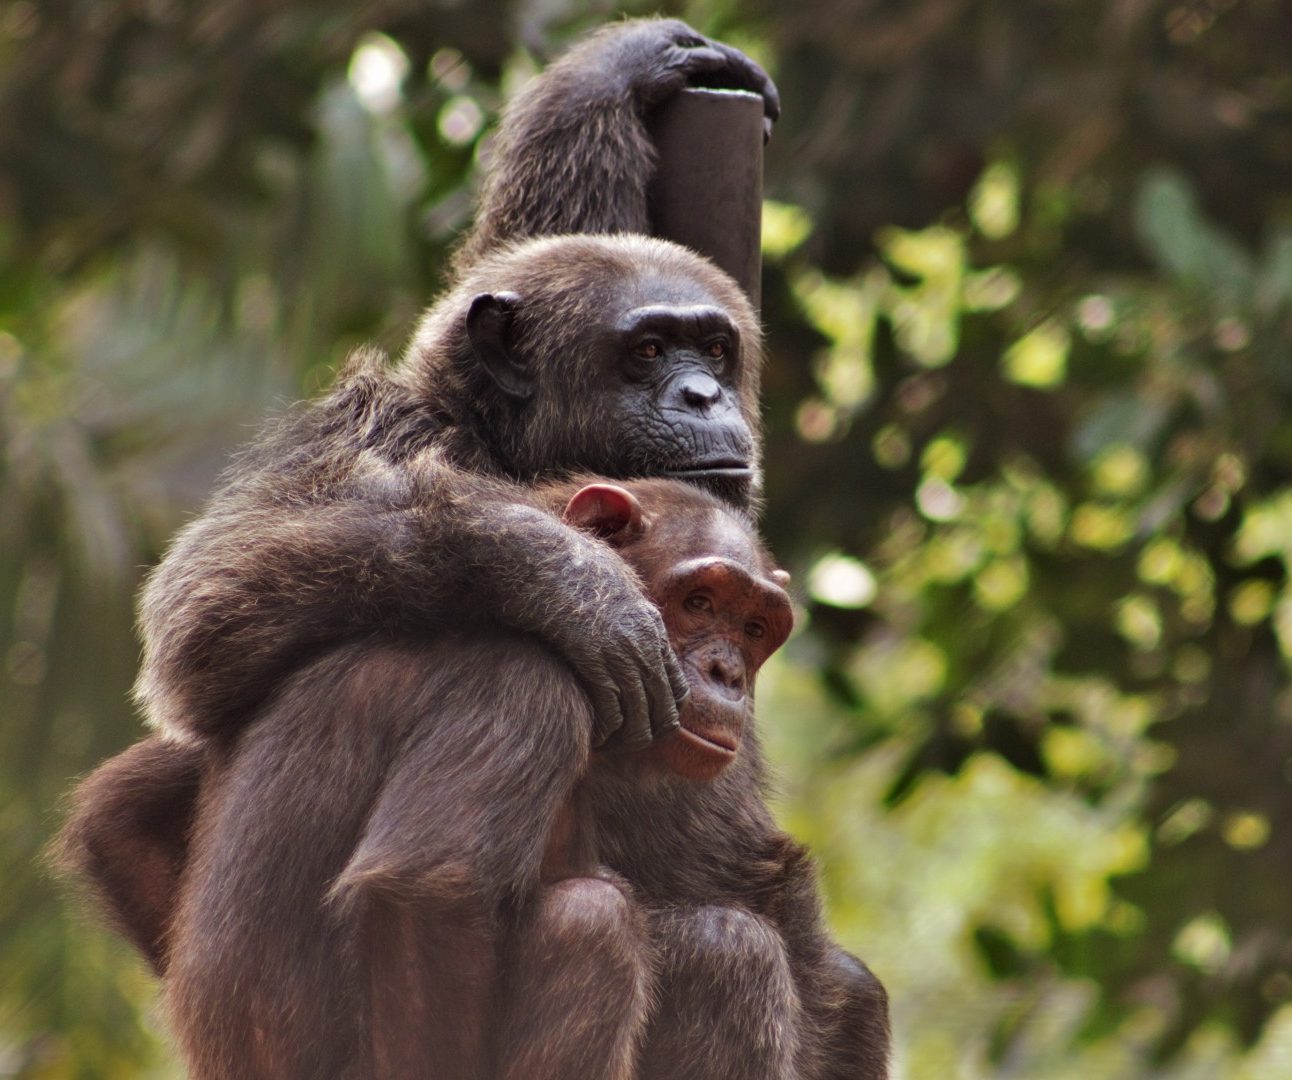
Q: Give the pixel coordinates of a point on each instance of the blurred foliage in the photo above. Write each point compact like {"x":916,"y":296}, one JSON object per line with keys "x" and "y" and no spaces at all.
{"x":1029,"y":301}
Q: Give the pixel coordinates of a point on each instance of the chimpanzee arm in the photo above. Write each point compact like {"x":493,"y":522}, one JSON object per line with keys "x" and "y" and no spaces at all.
{"x":256,"y":587}
{"x":127,"y":837}
{"x":573,"y":153}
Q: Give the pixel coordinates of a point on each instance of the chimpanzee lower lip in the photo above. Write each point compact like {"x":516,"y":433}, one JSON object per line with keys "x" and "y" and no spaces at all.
{"x":709,"y":742}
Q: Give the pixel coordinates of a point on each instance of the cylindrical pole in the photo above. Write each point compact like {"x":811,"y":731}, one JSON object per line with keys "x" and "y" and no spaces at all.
{"x":707,"y":192}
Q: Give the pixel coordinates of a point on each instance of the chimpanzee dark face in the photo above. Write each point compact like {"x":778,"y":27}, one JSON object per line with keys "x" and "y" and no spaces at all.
{"x":644,"y":382}
{"x":679,"y":367}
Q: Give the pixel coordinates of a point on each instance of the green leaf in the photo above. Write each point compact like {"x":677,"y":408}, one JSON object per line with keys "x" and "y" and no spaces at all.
{"x":1180,"y":239}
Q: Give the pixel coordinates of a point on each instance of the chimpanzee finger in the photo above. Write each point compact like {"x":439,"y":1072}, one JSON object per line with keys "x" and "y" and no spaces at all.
{"x":680,"y":688}
{"x":607,"y":716}
{"x":721,"y":67}
{"x":633,"y":699}
{"x":753,"y":78}
{"x":661,"y":687}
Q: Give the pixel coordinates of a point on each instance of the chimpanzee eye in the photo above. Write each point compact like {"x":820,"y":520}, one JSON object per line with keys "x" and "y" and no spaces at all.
{"x":755,"y":629}
{"x":649,"y":350}
{"x":698,"y":602}
{"x":717,"y":349}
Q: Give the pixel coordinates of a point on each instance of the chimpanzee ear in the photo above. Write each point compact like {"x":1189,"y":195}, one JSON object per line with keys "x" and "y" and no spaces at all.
{"x":605,"y":510}
{"x":489,"y":329}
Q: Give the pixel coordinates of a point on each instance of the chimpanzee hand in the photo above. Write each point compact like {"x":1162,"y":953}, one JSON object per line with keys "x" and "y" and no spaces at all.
{"x":585,"y":121}
{"x":659,"y":57}
{"x":542,"y":577}
{"x":615,"y":641}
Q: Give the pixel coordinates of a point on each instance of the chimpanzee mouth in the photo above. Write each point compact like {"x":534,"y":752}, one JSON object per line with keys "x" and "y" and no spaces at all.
{"x":710,"y":742}
{"x":717,"y":469}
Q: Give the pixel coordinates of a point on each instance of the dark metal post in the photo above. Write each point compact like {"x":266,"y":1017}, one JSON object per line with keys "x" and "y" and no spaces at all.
{"x":708,"y":188}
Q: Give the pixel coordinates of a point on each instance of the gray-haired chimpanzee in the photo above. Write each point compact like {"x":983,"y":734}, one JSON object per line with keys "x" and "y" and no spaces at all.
{"x":390,"y":506}
{"x":416,"y":864}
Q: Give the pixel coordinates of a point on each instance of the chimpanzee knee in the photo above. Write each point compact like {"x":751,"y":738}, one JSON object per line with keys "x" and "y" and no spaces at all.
{"x":727,"y":1006}
{"x":576,"y":995}
{"x":579,"y":912}
{"x":859,"y":981}
{"x":728,"y":942}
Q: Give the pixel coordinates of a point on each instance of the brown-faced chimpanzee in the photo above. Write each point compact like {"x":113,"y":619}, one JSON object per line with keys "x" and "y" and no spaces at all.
{"x":415,"y":864}
{"x":390,"y":505}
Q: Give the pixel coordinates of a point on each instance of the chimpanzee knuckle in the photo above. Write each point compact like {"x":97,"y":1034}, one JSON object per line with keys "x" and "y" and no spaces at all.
{"x":639,"y":630}
{"x":677,"y":32}
{"x":752,"y":76}
{"x":651,"y":50}
{"x":702,"y":61}
{"x":665,"y":76}
{"x":651,"y":637}
{"x":654,"y":622}
{"x":598,"y":671}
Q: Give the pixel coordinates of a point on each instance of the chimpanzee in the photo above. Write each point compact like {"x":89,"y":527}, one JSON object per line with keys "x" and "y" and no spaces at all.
{"x":391,"y":505}
{"x":416,"y":864}
{"x":349,"y":582}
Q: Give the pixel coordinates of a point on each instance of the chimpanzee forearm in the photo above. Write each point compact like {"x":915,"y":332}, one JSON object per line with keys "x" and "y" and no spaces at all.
{"x":269,"y":577}
{"x":584,"y":121}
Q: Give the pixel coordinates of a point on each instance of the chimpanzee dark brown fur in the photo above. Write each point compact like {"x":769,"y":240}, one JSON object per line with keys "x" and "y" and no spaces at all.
{"x":415,"y":863}
{"x":390,"y":504}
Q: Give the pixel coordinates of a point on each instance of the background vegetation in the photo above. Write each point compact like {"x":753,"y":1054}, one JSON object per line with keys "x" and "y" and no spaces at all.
{"x":1029,"y":300}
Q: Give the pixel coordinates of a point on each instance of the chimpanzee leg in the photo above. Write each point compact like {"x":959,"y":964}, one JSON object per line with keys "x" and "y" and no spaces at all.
{"x":727,"y":1008}
{"x":456,"y":835}
{"x":431,"y":980}
{"x":855,"y":1033}
{"x":341,"y":909}
{"x":845,"y":1032}
{"x":575,"y":993}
